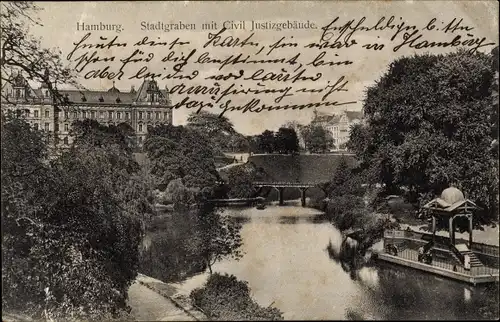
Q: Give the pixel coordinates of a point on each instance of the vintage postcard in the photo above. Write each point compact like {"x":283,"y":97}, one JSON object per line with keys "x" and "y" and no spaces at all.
{"x":249,"y":160}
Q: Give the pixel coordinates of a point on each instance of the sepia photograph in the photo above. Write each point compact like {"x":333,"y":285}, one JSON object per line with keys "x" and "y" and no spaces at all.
{"x":249,"y":160}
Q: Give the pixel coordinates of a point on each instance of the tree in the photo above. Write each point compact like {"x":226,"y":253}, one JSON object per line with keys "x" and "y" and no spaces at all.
{"x":286,"y":141}
{"x":428,"y":125}
{"x":317,"y":139}
{"x":266,"y":142}
{"x":210,"y":123}
{"x":23,"y":52}
{"x":218,"y":129}
{"x":220,"y":235}
{"x":92,"y":132}
{"x":71,"y":227}
{"x":239,"y":180}
{"x":494,"y":115}
{"x":178,"y":152}
{"x":238,"y":143}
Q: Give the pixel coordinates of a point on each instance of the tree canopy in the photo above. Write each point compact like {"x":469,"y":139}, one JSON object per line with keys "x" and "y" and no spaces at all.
{"x":286,"y":141}
{"x":317,"y":139}
{"x":70,"y":224}
{"x":178,"y":152}
{"x":219,"y":131}
{"x":428,"y":126}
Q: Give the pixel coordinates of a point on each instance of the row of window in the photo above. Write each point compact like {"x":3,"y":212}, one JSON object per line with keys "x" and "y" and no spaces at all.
{"x":110,"y":114}
{"x":66,"y":140}
{"x":19,"y":92}
{"x":46,"y":126}
{"x":36,"y":113}
{"x":92,"y":114}
{"x":140,"y":127}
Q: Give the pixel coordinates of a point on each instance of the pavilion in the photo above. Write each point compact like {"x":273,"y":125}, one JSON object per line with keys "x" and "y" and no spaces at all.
{"x":450,"y":205}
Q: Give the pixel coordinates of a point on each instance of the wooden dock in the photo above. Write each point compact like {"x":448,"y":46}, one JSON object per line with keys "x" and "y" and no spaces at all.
{"x":467,"y":278}
{"x":401,"y":248}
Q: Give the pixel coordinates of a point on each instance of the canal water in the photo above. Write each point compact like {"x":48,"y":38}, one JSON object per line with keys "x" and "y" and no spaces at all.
{"x":287,"y":266}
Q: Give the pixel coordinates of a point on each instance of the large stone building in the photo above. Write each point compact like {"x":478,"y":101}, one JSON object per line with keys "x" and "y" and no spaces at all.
{"x":147,"y":106}
{"x":338,"y":125}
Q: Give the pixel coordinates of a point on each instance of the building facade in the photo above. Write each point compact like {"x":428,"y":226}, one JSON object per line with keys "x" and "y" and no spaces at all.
{"x":147,"y":106}
{"x":338,"y":125}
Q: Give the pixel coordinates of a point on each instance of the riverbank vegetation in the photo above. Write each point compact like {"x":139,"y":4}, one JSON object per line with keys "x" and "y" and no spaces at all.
{"x":350,"y":206}
{"x":224,"y":297}
{"x":430,"y":122}
{"x":70,"y":223}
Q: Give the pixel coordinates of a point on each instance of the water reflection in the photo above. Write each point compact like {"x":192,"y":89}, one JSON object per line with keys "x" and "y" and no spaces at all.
{"x":286,"y":261}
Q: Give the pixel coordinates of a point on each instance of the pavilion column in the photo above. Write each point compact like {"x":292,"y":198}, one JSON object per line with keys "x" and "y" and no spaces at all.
{"x":303,"y":196}
{"x":470,"y":231}
{"x":281,"y":197}
{"x":433,"y":227}
{"x":452,"y":233}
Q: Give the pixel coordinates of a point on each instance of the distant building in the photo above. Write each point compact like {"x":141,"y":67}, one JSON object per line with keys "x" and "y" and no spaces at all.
{"x":338,"y":125}
{"x":147,"y":106}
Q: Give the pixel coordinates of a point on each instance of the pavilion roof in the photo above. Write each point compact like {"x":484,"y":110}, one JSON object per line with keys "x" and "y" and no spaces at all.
{"x":440,"y":206}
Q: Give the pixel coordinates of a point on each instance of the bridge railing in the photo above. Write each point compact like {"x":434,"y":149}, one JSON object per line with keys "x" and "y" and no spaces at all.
{"x":285,"y":184}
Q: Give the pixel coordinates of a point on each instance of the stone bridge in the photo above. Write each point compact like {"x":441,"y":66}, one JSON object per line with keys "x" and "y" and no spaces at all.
{"x":280,"y":187}
{"x":301,"y":171}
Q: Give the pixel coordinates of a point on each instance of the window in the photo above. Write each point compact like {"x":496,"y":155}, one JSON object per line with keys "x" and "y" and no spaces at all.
{"x":66,"y":127}
{"x":140,"y":127}
{"x":101,"y":115}
{"x":84,"y":114}
{"x":66,"y":114}
{"x":166,"y":116}
{"x":35,"y":113}
{"x":28,"y":112}
{"x":149,"y":115}
{"x":118,"y":115}
{"x":157,"y":115}
{"x":127,"y":115}
{"x":92,"y":114}
{"x":75,"y":114}
{"x":140,"y":115}
{"x":35,"y":126}
{"x":47,"y":126}
{"x":140,"y":139}
{"x":110,"y":114}
{"x":18,"y":93}
{"x":66,"y":140}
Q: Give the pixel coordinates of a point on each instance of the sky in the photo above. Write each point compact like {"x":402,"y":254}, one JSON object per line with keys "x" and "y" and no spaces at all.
{"x":59,"y":30}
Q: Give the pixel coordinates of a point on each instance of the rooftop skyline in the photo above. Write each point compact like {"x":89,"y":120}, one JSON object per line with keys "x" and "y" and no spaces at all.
{"x":61,"y":19}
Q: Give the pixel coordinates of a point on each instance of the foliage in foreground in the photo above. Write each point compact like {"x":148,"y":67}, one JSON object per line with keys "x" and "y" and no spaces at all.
{"x":225,"y":298}
{"x":70,"y":227}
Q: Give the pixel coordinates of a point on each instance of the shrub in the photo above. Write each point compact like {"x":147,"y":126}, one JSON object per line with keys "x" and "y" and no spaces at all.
{"x":345,"y":211}
{"x":226,"y":298}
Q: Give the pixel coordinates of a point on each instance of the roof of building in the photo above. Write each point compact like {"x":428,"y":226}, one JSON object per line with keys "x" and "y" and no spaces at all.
{"x":320,"y":117}
{"x":354,"y":115}
{"x":451,"y":201}
{"x":110,"y":96}
{"x":452,"y":195}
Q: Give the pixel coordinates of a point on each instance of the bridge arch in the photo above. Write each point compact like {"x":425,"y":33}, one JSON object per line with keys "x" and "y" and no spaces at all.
{"x":280,"y":187}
